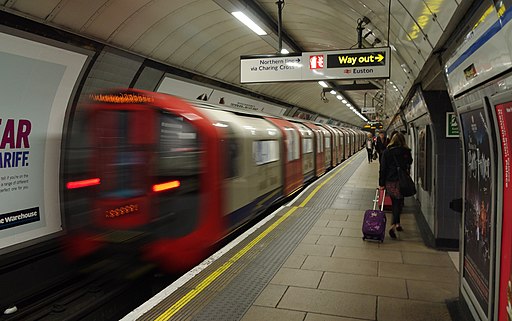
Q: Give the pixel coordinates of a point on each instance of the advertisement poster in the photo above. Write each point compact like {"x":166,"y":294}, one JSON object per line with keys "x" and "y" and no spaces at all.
{"x":477,"y":207}
{"x":217,"y":97}
{"x":504,"y":117}
{"x":36,"y":83}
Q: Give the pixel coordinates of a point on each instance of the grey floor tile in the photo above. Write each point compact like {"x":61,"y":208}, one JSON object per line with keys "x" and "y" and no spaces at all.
{"x":296,"y":277}
{"x":310,"y":238}
{"x":350,"y":266}
{"x":346,"y":241}
{"x":347,"y":212}
{"x":321,"y":223}
{"x":330,"y":230}
{"x":371,"y":254}
{"x":324,"y":317}
{"x":392,"y":309}
{"x":340,"y":205}
{"x":432,"y":291}
{"x":294,"y":261}
{"x":364,"y":284}
{"x":314,"y":249}
{"x":256,"y":313}
{"x":418,"y":272}
{"x":329,"y":302}
{"x":434,"y":259}
{"x":412,"y":246}
{"x":356,"y":218}
{"x":271,"y":295}
{"x":352,"y":232}
{"x":344,"y":224}
{"x":334,"y":217}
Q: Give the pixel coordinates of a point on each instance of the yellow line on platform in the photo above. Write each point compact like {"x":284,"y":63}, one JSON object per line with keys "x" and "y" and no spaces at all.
{"x":176,"y":307}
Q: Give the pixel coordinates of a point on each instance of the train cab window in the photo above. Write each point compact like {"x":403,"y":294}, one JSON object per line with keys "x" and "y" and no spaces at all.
{"x":179,"y":147}
{"x":265,"y":151}
{"x":292,"y":143}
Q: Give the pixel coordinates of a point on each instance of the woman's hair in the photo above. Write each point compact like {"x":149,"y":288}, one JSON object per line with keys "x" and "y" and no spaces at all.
{"x":398,"y":139}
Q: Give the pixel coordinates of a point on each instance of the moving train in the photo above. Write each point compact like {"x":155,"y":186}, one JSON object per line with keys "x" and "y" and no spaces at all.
{"x":172,"y":177}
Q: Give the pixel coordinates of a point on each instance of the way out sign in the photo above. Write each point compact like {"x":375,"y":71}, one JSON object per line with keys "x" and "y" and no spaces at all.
{"x":350,"y":64}
{"x":452,"y":127}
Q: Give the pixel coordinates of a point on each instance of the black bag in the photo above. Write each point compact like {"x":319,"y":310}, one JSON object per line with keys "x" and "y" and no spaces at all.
{"x":407,"y":186}
{"x":374,"y":156}
{"x":405,"y":182}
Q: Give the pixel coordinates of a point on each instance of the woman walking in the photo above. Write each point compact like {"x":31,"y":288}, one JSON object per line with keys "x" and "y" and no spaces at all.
{"x":369,"y":144}
{"x":397,"y":154}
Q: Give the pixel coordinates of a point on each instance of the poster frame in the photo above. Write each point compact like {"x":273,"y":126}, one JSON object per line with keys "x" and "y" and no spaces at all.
{"x":68,"y":112}
{"x":472,"y":302}
{"x":495,"y":100}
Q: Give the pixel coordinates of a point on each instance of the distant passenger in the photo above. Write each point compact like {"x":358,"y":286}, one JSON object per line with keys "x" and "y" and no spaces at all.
{"x":369,"y":144}
{"x":396,"y":155}
{"x":382,"y":142}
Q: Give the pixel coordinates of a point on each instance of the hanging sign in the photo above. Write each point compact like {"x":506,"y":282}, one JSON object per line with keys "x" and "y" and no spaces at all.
{"x":351,"y":64}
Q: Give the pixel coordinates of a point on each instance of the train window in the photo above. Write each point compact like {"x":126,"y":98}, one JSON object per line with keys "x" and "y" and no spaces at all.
{"x":292,"y":143}
{"x":230,"y":148}
{"x":307,"y":145}
{"x":265,"y":151}
{"x":179,"y":147}
{"x":327,"y":142}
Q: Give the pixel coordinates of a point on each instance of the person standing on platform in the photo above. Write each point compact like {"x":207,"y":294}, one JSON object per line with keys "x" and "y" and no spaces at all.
{"x":369,"y":144}
{"x":397,"y":154}
{"x":382,"y":142}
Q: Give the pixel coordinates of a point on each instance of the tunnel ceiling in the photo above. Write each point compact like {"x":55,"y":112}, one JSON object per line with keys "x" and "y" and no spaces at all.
{"x":203,"y":37}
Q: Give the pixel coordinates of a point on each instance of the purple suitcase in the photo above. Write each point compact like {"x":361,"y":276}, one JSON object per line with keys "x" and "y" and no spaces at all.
{"x":374,"y":221}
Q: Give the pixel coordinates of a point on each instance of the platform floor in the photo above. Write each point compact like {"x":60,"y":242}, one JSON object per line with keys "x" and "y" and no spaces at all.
{"x":314,"y":266}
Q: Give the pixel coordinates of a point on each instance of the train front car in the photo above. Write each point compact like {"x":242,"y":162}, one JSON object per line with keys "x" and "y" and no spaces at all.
{"x":154,"y":164}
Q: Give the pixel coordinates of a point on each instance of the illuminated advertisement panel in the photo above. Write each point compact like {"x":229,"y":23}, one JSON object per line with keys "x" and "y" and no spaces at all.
{"x":478,"y":205}
{"x":504,"y":119}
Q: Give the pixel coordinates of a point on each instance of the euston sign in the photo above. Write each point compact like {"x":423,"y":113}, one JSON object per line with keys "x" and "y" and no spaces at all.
{"x":366,"y":63}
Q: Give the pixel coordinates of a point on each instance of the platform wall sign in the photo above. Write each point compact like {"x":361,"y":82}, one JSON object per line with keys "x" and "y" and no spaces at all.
{"x":368,"y":110}
{"x":36,"y":84}
{"x":351,"y":64}
{"x":452,"y":128}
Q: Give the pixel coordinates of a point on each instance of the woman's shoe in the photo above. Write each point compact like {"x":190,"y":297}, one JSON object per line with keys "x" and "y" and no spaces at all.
{"x":392,"y":233}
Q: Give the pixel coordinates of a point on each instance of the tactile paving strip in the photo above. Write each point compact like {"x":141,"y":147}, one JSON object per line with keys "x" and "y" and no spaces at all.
{"x":233,"y":292}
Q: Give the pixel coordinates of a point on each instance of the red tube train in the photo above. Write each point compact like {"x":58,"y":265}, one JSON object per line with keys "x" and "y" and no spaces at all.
{"x":182,"y":175}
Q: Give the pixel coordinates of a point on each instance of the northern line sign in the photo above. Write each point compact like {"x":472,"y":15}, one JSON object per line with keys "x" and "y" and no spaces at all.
{"x":351,"y":64}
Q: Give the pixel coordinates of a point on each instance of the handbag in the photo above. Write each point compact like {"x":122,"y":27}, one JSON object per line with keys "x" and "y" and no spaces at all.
{"x":405,"y":182}
{"x":374,"y":156}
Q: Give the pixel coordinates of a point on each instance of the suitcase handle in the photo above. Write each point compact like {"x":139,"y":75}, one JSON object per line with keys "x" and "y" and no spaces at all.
{"x":376,"y":199}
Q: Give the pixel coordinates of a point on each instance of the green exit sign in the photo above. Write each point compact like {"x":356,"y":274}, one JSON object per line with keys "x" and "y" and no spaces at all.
{"x":452,"y":127}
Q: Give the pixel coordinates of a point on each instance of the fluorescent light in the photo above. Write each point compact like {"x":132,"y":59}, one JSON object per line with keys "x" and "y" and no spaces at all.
{"x":339,"y":97}
{"x":333,"y":92}
{"x":349,"y":105}
{"x":344,"y":101}
{"x":249,"y":23}
{"x":323,"y":84}
{"x":284,"y":51}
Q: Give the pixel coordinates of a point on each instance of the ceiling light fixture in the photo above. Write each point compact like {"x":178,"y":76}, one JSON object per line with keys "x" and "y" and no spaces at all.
{"x":249,"y":23}
{"x":284,"y":51}
{"x":323,"y":84}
